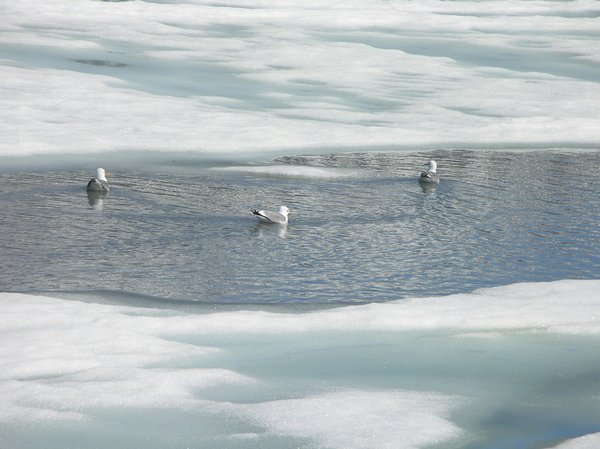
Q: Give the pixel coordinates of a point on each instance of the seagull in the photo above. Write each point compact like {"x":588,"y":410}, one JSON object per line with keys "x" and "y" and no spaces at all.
{"x":429,"y":175}
{"x":99,"y":183}
{"x":280,"y":217}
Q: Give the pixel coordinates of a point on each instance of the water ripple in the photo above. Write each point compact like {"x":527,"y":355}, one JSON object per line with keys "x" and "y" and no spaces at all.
{"x":374,"y":235}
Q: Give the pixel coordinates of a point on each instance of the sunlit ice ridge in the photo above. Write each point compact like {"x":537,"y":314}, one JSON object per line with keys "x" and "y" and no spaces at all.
{"x":247,"y":77}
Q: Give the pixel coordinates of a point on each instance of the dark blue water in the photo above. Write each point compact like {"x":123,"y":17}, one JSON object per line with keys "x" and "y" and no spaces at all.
{"x":361,"y":230}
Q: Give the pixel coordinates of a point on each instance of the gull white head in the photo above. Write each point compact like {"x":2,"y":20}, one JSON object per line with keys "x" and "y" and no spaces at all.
{"x":101,"y":175}
{"x":431,"y":166}
{"x":283,"y":210}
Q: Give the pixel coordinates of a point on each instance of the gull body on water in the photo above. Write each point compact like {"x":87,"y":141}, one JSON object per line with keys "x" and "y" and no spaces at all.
{"x":266,"y":216}
{"x":99,"y":183}
{"x":430,"y":174}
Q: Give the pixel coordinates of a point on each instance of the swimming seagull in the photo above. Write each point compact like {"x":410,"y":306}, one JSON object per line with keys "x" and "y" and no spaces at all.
{"x":429,"y":175}
{"x":280,"y":217}
{"x":99,"y":183}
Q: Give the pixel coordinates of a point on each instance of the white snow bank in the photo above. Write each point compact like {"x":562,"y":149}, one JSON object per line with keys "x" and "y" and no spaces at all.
{"x":63,"y":358}
{"x":558,"y":307}
{"x":60,"y":358}
{"x":242,"y":78}
{"x":591,"y":441}
{"x":358,"y":419}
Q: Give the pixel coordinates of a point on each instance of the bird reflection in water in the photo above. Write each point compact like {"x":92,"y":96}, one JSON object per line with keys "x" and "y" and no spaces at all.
{"x":96,"y":199}
{"x":428,"y":188}
{"x":265,"y":230}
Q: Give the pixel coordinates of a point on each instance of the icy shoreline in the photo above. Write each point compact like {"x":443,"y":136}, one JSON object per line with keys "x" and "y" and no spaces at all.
{"x":229,"y":79}
{"x":74,"y":362}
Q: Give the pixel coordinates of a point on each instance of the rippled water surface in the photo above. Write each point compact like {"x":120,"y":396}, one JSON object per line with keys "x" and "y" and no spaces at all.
{"x":362,"y":227}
